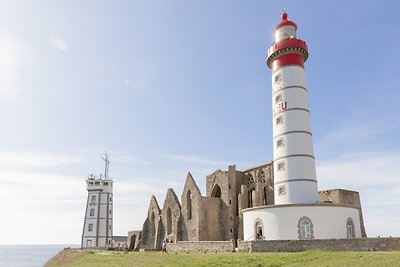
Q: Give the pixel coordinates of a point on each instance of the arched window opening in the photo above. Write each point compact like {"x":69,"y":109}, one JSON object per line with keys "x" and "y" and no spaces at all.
{"x":265,"y":195}
{"x":250,"y":198}
{"x":169,"y":221}
{"x":350,"y":228}
{"x":189,"y":205}
{"x":153,"y":224}
{"x":251,"y":179}
{"x":216,"y":192}
{"x":305,"y":228}
{"x":259,"y":235}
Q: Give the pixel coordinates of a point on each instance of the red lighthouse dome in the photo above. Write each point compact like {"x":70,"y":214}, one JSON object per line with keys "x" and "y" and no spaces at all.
{"x":287,"y":48}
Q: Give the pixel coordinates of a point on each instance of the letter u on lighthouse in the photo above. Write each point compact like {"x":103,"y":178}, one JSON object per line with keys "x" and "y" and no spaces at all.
{"x":295,"y":179}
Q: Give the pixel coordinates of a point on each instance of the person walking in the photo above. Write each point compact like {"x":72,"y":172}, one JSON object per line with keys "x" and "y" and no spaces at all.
{"x":164,"y":246}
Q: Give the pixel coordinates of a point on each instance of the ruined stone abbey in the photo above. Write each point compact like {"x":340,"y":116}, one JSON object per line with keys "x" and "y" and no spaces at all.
{"x":218,"y":215}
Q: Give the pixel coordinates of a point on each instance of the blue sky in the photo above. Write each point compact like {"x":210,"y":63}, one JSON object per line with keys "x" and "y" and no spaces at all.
{"x":174,"y":86}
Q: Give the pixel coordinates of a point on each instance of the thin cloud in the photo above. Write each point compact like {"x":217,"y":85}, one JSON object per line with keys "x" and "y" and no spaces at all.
{"x":356,"y":132}
{"x":129,"y":159}
{"x":197,"y":159}
{"x":58,"y":43}
{"x":36,"y":160}
{"x":361,"y":169}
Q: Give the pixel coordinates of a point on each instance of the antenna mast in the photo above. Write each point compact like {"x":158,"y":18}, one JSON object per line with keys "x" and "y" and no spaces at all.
{"x":107,"y":164}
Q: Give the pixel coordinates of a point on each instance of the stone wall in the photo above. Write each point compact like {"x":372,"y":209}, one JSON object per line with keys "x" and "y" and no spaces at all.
{"x":170,"y":216}
{"x":133,"y":239}
{"x":212,"y":246}
{"x":353,"y":244}
{"x":211,"y":221}
{"x":191,"y":208}
{"x":151,"y":227}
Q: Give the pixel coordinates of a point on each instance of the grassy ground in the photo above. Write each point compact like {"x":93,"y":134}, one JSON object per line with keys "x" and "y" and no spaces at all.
{"x":307,"y":258}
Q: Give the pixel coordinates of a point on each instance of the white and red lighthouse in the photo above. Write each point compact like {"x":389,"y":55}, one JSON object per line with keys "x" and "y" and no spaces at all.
{"x":297,"y":213}
{"x":294,"y":165}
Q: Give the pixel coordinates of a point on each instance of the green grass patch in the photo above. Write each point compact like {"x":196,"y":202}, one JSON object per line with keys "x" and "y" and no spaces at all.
{"x":242,"y":259}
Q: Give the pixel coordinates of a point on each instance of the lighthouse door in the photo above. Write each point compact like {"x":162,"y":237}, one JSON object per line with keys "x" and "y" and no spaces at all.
{"x":259,"y":231}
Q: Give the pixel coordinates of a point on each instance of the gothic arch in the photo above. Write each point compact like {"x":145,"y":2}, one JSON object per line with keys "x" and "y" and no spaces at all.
{"x":152,"y":224}
{"x":258,"y":229}
{"x":169,"y":221}
{"x":216,"y":192}
{"x":189,"y":205}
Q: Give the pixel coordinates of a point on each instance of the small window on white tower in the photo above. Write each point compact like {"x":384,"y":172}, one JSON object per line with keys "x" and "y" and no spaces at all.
{"x":281,"y":166}
{"x":91,"y":212}
{"x":282,"y":190}
{"x":279,"y":120}
{"x":280,"y":142}
{"x":278,"y":78}
{"x":90,"y":227}
{"x":93,"y":199}
{"x":278,"y":98}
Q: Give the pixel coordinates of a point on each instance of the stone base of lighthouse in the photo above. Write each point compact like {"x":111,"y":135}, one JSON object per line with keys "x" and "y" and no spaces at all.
{"x":301,"y":221}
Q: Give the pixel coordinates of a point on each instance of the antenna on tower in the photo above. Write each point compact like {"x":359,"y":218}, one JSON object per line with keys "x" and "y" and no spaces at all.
{"x":107,"y":164}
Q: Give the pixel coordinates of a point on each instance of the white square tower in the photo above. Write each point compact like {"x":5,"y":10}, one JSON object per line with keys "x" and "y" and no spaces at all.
{"x":98,"y":224}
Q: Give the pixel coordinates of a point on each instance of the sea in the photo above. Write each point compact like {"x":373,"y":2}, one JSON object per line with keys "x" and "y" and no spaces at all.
{"x":29,"y":255}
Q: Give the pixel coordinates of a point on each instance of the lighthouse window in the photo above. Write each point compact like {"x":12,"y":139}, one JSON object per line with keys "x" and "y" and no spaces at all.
{"x":305,"y":228}
{"x":282,"y":190}
{"x":278,"y":78}
{"x":278,"y":98}
{"x":91,"y":212}
{"x":280,"y":143}
{"x":90,"y":227}
{"x":281,"y":166}
{"x":279,"y":120}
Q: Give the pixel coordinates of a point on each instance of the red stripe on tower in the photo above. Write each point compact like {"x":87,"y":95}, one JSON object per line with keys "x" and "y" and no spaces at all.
{"x":287,"y":49}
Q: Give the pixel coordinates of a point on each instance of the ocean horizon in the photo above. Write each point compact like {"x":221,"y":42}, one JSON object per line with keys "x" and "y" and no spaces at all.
{"x":29,"y":255}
